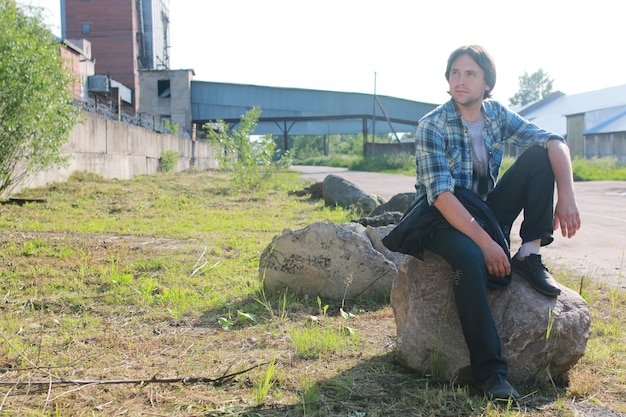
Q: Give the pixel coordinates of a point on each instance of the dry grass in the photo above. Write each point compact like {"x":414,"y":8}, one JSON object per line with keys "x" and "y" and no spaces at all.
{"x":119,"y":281}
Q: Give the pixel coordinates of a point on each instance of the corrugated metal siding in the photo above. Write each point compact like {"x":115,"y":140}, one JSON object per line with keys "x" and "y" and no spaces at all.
{"x":606,"y":145}
{"x":607,"y":120}
{"x":212,"y":101}
{"x":575,"y":129}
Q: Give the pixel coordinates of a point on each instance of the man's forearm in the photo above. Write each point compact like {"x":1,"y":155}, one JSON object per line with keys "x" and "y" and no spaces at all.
{"x":461,"y":219}
{"x":561,"y":162}
{"x":566,"y":215}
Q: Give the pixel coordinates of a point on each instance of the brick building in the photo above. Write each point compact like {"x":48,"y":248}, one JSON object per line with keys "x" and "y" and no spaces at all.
{"x":126,"y":36}
{"x":76,"y":53}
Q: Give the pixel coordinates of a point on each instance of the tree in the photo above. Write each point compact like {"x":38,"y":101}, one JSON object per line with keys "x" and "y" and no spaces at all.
{"x":36,"y":111}
{"x":250,"y":160}
{"x":532,"y":87}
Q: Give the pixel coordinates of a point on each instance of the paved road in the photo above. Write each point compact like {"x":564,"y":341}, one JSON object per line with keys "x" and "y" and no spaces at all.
{"x":597,"y":252}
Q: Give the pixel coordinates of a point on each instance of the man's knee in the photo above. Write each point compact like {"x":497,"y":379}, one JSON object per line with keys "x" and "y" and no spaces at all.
{"x":535,"y":160}
{"x":536,"y":154}
{"x":470,"y":265}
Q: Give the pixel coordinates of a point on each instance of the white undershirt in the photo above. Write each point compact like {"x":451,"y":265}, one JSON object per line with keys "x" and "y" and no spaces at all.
{"x":482,"y":183}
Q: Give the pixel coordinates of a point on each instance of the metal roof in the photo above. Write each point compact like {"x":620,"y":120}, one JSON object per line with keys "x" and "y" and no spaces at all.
{"x":100,"y":83}
{"x":302,"y":111}
{"x":606,"y":121}
{"x":551,"y":113}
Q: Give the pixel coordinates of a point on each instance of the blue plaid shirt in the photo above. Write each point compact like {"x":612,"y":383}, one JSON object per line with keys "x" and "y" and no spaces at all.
{"x":443,"y":148}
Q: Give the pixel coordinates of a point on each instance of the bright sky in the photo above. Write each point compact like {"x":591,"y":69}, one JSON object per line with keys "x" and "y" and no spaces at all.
{"x":398,"y":46}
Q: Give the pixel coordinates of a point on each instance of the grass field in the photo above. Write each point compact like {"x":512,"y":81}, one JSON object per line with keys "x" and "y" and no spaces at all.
{"x":144,"y":298}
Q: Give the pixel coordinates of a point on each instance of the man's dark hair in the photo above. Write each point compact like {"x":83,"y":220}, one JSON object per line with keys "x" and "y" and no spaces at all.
{"x":482,"y":58}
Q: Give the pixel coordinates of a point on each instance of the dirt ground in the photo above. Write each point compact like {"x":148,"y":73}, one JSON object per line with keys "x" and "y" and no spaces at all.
{"x":597,"y":252}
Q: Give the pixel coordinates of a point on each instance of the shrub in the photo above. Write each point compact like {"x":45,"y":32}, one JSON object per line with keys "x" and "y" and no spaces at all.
{"x":169,"y":160}
{"x":249,"y":159}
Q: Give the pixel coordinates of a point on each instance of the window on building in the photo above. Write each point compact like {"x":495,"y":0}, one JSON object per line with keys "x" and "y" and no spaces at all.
{"x":85,"y":27}
{"x":163,"y":88}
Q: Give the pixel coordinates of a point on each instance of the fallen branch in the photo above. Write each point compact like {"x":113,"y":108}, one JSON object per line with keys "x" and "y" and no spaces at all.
{"x":188,"y":380}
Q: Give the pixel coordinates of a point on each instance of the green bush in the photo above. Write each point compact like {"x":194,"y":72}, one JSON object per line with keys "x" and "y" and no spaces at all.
{"x":598,"y":169}
{"x":169,"y":160}
{"x":395,"y":163}
{"x":250,"y":160}
{"x":595,"y":169}
{"x":342,"y":161}
{"x":36,"y":111}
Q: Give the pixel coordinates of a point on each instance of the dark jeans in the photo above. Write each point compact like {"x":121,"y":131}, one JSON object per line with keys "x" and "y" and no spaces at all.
{"x":527,"y":185}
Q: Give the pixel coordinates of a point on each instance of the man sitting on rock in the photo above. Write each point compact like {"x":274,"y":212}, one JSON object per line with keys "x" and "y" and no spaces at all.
{"x":464,"y":214}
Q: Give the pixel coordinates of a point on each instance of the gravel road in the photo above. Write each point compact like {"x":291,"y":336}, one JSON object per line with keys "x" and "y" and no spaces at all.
{"x":597,"y":252}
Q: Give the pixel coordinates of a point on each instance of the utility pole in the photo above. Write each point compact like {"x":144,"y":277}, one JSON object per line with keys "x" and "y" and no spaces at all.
{"x":374,"y":111}
{"x":373,"y":121}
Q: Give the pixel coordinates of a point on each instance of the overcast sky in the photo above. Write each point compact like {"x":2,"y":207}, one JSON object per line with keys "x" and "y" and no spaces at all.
{"x":399,"y":47}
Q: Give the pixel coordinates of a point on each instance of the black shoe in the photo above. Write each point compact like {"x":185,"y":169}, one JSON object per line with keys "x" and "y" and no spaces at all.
{"x":533,"y":270}
{"x":497,"y":387}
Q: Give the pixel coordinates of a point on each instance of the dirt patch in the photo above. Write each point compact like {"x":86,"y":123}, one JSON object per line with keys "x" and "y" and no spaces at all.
{"x":97,"y":242}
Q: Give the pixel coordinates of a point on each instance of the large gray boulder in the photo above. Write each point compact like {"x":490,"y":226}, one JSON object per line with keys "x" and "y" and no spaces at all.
{"x":399,"y":202}
{"x":333,"y":261}
{"x":341,"y":192}
{"x":542,"y":337}
{"x":384,"y":219}
{"x":376,"y":235}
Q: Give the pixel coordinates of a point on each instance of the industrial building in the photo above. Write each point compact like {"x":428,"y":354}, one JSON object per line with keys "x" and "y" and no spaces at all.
{"x":126,"y":36}
{"x":128,"y":42}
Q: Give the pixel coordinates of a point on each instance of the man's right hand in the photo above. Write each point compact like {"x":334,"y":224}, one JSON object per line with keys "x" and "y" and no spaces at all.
{"x":496,"y":260}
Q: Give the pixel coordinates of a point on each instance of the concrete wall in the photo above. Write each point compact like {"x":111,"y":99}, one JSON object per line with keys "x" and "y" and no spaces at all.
{"x":119,"y":150}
